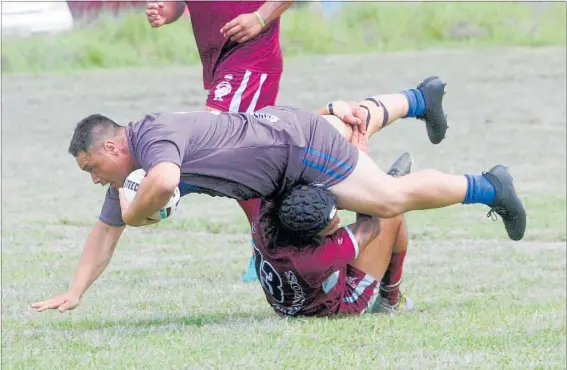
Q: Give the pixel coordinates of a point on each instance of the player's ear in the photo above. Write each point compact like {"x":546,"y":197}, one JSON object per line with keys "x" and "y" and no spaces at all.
{"x":110,"y":147}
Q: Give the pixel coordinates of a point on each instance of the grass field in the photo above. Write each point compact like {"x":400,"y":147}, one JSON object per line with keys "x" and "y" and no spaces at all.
{"x":172,"y":296}
{"x":359,"y":27}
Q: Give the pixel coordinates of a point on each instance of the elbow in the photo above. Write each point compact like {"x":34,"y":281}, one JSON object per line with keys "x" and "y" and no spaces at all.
{"x":166,"y":185}
{"x":165,"y":177}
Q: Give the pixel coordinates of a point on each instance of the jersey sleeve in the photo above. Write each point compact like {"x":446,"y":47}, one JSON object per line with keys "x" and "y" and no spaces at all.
{"x":111,"y":213}
{"x":336,"y":252}
{"x":160,"y":144}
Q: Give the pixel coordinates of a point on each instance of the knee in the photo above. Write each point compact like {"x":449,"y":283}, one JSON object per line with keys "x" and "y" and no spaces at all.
{"x":392,"y":205}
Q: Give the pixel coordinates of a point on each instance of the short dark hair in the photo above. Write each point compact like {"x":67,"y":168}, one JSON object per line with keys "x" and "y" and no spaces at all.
{"x":297,"y":218}
{"x":89,"y":130}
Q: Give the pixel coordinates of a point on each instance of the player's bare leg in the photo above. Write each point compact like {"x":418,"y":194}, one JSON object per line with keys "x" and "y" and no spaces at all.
{"x":425,"y":103}
{"x":384,"y":256}
{"x":375,"y":257}
{"x":390,"y":299}
{"x":369,"y":190}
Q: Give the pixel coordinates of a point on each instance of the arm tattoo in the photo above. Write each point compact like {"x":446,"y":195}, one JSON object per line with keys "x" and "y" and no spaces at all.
{"x":365,"y":229}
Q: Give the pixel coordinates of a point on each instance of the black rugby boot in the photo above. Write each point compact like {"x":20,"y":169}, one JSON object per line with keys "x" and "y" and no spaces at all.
{"x":435,"y":118}
{"x":506,"y":202}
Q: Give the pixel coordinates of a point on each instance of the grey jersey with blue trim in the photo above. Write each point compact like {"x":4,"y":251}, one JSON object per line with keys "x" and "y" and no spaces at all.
{"x":241,"y":156}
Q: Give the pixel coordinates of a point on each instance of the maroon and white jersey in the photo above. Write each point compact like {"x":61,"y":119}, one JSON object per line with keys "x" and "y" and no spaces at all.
{"x":314,"y":282}
{"x":260,"y":54}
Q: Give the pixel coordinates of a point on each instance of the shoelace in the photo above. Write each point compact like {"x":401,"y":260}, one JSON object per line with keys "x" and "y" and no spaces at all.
{"x":492,"y":214}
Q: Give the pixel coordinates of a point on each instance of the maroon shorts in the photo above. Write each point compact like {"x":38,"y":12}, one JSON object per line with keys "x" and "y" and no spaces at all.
{"x":242,"y":90}
{"x":360,"y":292}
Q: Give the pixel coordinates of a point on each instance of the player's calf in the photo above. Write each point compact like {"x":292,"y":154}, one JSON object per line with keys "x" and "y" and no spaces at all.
{"x":369,"y":190}
{"x":424,"y":103}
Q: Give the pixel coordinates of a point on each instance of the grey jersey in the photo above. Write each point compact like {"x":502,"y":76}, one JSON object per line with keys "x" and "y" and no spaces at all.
{"x":237,"y":155}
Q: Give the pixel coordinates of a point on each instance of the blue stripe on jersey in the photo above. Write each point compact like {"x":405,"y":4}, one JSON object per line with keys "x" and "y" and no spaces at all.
{"x":329,"y":157}
{"x":324,"y":169}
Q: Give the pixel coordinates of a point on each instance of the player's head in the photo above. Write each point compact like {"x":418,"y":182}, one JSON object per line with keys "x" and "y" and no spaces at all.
{"x":301,"y":218}
{"x":100,"y":147}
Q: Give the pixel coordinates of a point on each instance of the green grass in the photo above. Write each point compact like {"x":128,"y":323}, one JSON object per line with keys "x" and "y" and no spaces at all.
{"x":360,"y":27}
{"x":172,"y":296}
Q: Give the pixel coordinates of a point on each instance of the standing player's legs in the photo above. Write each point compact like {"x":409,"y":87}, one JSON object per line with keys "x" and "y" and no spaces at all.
{"x":242,"y":90}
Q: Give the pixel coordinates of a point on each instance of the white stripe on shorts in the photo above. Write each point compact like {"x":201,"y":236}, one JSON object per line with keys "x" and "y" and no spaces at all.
{"x":363,"y":284}
{"x":237,"y":98}
{"x":252,"y":106}
{"x":331,"y":282}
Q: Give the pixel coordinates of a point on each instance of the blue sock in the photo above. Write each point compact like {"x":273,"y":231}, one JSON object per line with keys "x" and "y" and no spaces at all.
{"x":416,"y":102}
{"x":479,"y":190}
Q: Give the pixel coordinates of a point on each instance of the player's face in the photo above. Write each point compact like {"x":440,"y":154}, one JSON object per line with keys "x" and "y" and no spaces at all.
{"x":332,"y":227}
{"x":106,"y":165}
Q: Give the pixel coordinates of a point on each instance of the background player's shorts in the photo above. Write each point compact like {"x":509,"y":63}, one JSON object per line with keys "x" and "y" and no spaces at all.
{"x":360,"y":292}
{"x":242,"y":90}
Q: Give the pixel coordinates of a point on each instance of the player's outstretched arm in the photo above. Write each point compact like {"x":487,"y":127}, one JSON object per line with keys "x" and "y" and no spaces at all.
{"x":164,"y":12}
{"x":96,"y":255}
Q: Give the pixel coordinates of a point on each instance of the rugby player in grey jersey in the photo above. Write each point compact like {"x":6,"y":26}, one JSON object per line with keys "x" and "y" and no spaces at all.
{"x":261,"y":155}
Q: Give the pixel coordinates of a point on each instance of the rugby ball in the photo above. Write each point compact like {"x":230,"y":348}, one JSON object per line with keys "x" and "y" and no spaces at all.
{"x":133,"y":182}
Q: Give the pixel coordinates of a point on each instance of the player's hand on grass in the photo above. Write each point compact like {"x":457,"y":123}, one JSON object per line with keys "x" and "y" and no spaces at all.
{"x":242,"y":28}
{"x":124,"y":205}
{"x":61,"y":302}
{"x":155,"y":14}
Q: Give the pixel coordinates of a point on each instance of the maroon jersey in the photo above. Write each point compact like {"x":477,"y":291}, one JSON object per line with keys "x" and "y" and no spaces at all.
{"x":261,"y":54}
{"x":314,"y":282}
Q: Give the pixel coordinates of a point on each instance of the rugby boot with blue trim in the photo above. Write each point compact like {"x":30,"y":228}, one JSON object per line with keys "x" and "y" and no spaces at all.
{"x":506,"y":202}
{"x":435,"y":118}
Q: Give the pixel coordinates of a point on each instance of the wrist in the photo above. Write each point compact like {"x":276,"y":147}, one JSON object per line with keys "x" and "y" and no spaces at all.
{"x":260,"y":19}
{"x":76,"y":292}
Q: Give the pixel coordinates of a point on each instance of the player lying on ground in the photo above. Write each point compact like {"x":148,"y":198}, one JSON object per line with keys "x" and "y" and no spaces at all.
{"x":289,"y":146}
{"x":309,"y":266}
